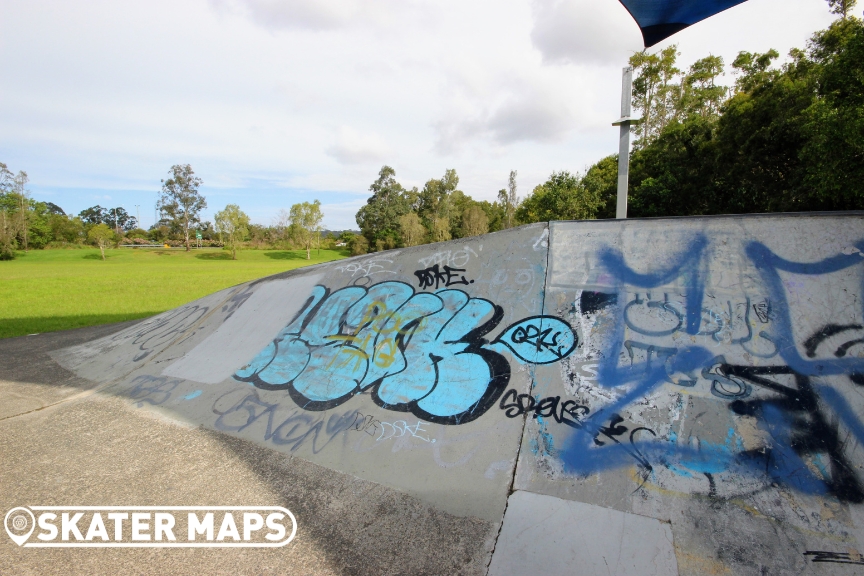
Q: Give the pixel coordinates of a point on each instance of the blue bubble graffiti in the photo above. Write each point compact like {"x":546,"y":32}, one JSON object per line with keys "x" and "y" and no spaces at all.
{"x":425,"y":353}
{"x":796,"y":408}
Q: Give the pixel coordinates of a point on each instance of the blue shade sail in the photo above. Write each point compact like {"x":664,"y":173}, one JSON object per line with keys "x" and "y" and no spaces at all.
{"x":659,"y":19}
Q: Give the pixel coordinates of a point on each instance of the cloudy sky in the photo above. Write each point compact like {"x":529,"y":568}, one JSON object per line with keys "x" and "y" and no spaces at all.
{"x":275,"y":102}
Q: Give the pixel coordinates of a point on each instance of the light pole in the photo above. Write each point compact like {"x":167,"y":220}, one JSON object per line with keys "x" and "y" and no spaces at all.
{"x":625,"y":121}
{"x":138,"y":215}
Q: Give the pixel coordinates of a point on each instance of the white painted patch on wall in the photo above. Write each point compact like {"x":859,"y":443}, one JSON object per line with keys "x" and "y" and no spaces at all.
{"x":249,"y":329}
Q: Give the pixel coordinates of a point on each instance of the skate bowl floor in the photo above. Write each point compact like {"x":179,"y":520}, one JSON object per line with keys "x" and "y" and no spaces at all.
{"x":659,"y":396}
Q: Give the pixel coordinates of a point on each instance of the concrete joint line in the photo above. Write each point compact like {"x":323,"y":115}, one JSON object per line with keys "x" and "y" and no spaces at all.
{"x":525,"y":416}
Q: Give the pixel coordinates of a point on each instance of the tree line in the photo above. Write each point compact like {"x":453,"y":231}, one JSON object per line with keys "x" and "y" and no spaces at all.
{"x":397,"y":216}
{"x":29,"y":224}
{"x":782,"y":139}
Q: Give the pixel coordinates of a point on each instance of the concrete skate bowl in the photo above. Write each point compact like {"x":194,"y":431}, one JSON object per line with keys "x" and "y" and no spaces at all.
{"x":662,"y":396}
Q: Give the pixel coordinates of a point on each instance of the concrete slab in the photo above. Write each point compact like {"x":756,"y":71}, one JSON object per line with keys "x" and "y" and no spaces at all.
{"x":714,"y":386}
{"x":100,"y":451}
{"x":388,"y":367}
{"x":554,"y":536}
{"x":699,"y":374}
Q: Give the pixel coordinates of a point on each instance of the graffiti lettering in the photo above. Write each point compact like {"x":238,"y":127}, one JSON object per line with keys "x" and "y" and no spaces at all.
{"x":154,"y":390}
{"x":293,"y":432}
{"x":835,"y":557}
{"x":400,"y":428}
{"x":150,"y":335}
{"x":456,"y":259}
{"x":415,"y":352}
{"x":806,"y":418}
{"x":515,"y":405}
{"x":446,"y":277}
{"x":366,"y":268}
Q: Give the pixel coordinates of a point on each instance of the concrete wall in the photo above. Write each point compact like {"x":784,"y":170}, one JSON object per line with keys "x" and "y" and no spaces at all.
{"x":699,"y":379}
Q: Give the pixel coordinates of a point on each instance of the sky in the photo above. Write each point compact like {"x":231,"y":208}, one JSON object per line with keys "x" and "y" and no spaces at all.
{"x":278,"y":102}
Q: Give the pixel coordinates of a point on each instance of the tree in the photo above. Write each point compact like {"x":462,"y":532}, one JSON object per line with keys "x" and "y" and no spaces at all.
{"x":753,"y":69}
{"x":412,"y":229}
{"x":379,"y":218}
{"x":495,"y":214}
{"x":282,"y":227}
{"x":700,"y":93}
{"x":20,"y":188}
{"x":180,"y":200}
{"x":305,"y":221}
{"x":440,"y":230}
{"x":54,"y":209}
{"x":509,"y":201}
{"x":119,"y":219}
{"x":101,"y":234}
{"x":474,"y":222}
{"x":441,"y":199}
{"x":655,"y":93}
{"x":358,"y":245}
{"x":561,"y":197}
{"x":233,"y":224}
{"x":93,"y":215}
{"x":8,"y":219}
{"x":601,"y":182}
{"x":842,"y":7}
{"x":832,"y":155}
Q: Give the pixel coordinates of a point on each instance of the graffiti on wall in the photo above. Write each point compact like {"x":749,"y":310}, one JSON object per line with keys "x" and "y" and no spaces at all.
{"x":419,"y":352}
{"x":665,"y":342}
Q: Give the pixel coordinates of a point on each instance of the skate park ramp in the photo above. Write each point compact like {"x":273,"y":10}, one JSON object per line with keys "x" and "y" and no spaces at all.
{"x":661,"y":396}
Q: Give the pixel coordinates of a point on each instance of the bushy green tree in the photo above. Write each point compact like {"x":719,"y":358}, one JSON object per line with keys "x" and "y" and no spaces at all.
{"x":306,"y":219}
{"x":655,"y":91}
{"x":439,"y":202}
{"x":474,"y":222}
{"x":358,"y":245}
{"x":601,"y":181}
{"x":561,"y":197}
{"x":787,"y":139}
{"x":412,"y":229}
{"x":379,"y":218}
{"x":233,"y":225}
{"x":101,"y":235}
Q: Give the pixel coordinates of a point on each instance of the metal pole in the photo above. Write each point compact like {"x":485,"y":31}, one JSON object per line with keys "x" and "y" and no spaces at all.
{"x":624,"y":141}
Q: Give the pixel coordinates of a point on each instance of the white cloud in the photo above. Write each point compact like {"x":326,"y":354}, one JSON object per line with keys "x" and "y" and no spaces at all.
{"x":584,"y":31}
{"x":315,"y":15}
{"x":281,"y":14}
{"x":535,"y":117}
{"x":279,"y":102}
{"x":353,"y":147}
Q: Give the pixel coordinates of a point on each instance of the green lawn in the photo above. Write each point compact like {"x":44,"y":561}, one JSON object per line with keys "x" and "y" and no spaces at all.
{"x":47,"y":290}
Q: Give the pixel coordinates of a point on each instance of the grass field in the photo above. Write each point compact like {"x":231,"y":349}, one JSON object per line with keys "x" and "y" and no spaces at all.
{"x":47,"y":290}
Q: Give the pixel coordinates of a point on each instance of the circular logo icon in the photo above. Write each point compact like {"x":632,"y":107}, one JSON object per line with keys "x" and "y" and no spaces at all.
{"x":19,"y":523}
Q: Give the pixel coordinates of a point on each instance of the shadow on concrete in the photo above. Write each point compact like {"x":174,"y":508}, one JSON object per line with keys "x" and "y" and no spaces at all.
{"x":364,"y":527}
{"x":359,"y":527}
{"x":26,"y":358}
{"x":40,"y":325}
